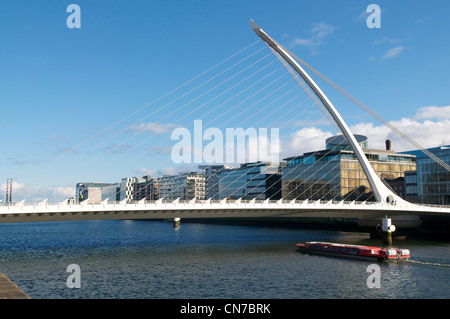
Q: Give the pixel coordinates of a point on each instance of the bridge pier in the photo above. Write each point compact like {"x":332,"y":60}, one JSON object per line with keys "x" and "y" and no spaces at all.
{"x":387,"y":238}
{"x":386,"y":229}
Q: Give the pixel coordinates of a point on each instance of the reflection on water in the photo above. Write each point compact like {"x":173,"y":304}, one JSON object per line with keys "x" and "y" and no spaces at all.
{"x":151,"y":259}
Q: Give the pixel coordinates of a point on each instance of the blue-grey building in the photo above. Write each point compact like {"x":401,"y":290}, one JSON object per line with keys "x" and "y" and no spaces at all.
{"x":259,"y":180}
{"x":212,"y":179}
{"x":433,"y":180}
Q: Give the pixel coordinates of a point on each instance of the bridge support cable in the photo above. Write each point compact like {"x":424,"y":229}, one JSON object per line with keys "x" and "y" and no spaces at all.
{"x":305,"y":120}
{"x":317,"y":180}
{"x":74,"y":148}
{"x":253,"y":114}
{"x":309,"y":185}
{"x":276,"y":99}
{"x":256,"y":112}
{"x":315,"y":102}
{"x":229,"y":119}
{"x":322,"y":109}
{"x":305,"y":88}
{"x":327,"y":115}
{"x":157,"y":156}
{"x":374,"y":114}
{"x":268,"y":115}
{"x":154,"y":134}
{"x":293,"y":117}
{"x":196,"y":109}
{"x":235,"y":105}
{"x":165,"y":106}
{"x":170,"y":103}
{"x":311,"y":182}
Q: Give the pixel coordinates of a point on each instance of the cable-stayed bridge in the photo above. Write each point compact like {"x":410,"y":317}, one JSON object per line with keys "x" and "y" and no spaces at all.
{"x":214,"y":209}
{"x":385,"y":203}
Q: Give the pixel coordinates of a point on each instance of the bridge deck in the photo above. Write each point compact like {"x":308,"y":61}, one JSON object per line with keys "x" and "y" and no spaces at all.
{"x":211,"y":209}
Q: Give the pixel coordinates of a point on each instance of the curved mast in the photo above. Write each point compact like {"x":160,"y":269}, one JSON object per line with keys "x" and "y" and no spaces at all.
{"x":381,"y":192}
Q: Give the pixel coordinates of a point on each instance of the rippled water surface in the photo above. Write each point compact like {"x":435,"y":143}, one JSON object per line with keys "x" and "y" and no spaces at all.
{"x":151,"y":259}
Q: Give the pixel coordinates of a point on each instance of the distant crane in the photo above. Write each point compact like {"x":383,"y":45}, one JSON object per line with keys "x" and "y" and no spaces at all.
{"x":8,"y":190}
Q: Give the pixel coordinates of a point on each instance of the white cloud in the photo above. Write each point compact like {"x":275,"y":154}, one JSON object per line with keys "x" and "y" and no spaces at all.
{"x":392,"y":53}
{"x":429,"y":128}
{"x":318,"y":32}
{"x":36,"y":193}
{"x":264,"y":147}
{"x":305,"y":140}
{"x":153,"y":127}
{"x":62,"y":192}
{"x":433,"y":112}
{"x":363,"y":15}
{"x":386,"y":40}
{"x":321,"y":30}
{"x":427,"y":133}
{"x":304,"y":42}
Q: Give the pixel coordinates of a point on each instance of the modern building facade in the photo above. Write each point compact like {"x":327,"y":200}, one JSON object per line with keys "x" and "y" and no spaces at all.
{"x":212,"y":179}
{"x":397,"y":185}
{"x":335,"y":173}
{"x":96,"y":192}
{"x":139,"y":188}
{"x":411,"y":194}
{"x":184,"y":186}
{"x":127,"y":188}
{"x":260,"y":180}
{"x":432,"y":180}
{"x":146,"y":188}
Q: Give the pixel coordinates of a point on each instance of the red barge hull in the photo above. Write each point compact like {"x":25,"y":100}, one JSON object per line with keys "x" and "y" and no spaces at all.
{"x":354,"y":251}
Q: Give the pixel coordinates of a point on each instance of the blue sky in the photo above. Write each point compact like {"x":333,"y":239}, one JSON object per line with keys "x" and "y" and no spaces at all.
{"x":59,"y":86}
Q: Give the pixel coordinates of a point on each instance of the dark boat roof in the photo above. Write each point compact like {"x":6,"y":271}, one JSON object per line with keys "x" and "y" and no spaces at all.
{"x":342,"y":245}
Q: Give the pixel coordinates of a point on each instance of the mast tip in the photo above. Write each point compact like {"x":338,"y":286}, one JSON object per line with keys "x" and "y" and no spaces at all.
{"x":254,"y":25}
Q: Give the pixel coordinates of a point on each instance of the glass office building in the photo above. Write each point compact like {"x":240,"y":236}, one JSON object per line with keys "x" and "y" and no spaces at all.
{"x":432,"y":181}
{"x":335,"y":173}
{"x":185,"y":186}
{"x":411,"y":194}
{"x":212,"y":179}
{"x":259,"y":180}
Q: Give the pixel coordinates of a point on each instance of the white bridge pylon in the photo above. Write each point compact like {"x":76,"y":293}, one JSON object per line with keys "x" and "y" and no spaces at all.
{"x":381,"y":192}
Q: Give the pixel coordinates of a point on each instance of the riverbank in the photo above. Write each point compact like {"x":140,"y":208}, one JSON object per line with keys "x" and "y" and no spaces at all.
{"x":9,"y":290}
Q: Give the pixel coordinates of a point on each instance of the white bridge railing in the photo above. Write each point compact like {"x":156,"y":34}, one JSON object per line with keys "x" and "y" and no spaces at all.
{"x":214,"y":204}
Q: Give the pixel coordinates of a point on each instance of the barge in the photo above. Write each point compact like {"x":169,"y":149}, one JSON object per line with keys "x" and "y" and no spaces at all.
{"x":354,"y":251}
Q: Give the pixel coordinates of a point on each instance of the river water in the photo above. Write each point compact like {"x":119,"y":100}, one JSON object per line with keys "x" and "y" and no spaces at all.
{"x":152,"y":260}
